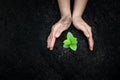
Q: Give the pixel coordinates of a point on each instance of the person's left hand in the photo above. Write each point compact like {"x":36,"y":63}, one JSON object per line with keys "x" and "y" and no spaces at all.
{"x":81,"y":25}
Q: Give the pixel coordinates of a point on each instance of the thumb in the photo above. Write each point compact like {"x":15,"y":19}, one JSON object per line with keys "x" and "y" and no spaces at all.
{"x":86,"y":33}
{"x":58,"y":33}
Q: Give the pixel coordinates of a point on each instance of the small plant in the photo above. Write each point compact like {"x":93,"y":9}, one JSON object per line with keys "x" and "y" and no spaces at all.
{"x":70,"y":42}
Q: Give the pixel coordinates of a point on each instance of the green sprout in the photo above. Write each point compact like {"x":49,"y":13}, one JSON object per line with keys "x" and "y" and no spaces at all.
{"x":70,"y":42}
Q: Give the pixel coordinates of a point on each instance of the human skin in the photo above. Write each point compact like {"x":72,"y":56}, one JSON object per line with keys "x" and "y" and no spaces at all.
{"x":79,"y":23}
{"x":66,"y":19}
{"x":62,"y":25}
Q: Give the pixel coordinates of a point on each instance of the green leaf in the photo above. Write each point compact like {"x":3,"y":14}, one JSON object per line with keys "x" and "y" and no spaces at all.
{"x":69,"y":36}
{"x":73,"y":47}
{"x":65,"y":46}
{"x":70,"y":42}
{"x":67,"y":42}
{"x":74,"y":41}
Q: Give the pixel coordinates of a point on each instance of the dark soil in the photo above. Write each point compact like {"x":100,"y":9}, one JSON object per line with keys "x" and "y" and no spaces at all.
{"x":25,"y":26}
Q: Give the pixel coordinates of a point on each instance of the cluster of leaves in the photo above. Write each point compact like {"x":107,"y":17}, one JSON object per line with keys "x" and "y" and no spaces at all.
{"x":70,"y":42}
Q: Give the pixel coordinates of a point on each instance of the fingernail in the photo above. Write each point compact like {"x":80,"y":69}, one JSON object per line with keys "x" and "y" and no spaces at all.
{"x":91,"y":48}
{"x":51,"y":48}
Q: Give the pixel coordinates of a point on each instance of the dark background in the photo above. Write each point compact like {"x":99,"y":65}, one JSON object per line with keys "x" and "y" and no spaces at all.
{"x":25,"y":26}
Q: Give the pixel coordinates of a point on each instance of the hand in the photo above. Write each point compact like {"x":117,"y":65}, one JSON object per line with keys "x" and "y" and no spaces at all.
{"x":80,"y":24}
{"x":62,"y":25}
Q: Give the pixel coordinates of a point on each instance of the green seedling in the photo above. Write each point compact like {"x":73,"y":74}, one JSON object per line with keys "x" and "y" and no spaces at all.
{"x":70,"y":42}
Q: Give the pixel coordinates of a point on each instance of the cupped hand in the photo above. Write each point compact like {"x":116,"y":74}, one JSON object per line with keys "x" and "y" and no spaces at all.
{"x":81,"y":25}
{"x":57,"y":29}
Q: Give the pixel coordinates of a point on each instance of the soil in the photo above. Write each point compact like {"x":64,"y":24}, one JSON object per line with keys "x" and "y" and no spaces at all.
{"x":25,"y":26}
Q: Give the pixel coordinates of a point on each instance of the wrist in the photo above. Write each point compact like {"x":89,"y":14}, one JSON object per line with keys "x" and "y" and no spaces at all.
{"x":66,"y":15}
{"x":74,"y":18}
{"x":66,"y":18}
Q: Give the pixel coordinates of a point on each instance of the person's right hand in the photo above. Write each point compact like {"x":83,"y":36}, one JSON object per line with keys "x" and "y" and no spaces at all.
{"x":56,"y":30}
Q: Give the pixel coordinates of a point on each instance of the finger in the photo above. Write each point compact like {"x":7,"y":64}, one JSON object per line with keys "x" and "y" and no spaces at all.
{"x":48,"y":41}
{"x":90,"y":39}
{"x":52,"y":42}
{"x":53,"y":39}
{"x":91,"y":42}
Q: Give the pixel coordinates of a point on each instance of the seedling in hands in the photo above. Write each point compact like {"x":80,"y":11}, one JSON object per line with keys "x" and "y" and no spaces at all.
{"x":70,"y":42}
